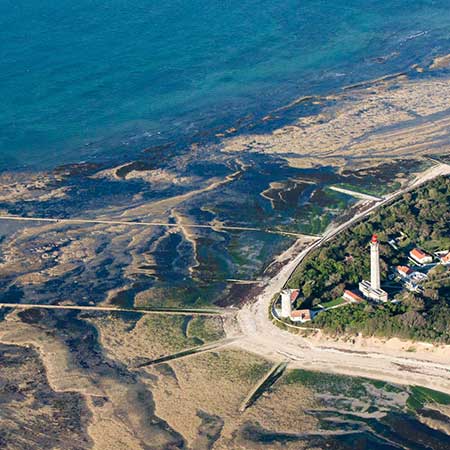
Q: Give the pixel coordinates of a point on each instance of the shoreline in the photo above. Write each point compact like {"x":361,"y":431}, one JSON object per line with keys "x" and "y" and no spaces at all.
{"x":234,"y":127}
{"x":356,"y":125}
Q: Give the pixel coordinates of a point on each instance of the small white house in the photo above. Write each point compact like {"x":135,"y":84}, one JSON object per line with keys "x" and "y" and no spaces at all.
{"x":301,"y":315}
{"x":420,"y":256}
{"x":352,"y":297}
{"x":403,"y":271}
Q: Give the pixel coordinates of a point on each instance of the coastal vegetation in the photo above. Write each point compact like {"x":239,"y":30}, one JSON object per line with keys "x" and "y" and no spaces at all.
{"x":358,"y":395}
{"x":214,"y":383}
{"x":421,"y":396}
{"x":372,"y":189}
{"x":419,"y":218}
{"x":178,"y":333}
{"x":342,"y":386}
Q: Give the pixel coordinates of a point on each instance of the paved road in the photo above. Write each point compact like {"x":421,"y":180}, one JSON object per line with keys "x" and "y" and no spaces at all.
{"x":390,"y":364}
{"x":147,"y":224}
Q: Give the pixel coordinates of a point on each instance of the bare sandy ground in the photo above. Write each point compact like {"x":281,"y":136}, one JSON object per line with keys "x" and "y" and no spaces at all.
{"x":225,"y":378}
{"x":440,"y":62}
{"x":156,"y":176}
{"x":38,"y":186}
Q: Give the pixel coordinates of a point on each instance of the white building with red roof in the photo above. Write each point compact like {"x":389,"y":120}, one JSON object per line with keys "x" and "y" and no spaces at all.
{"x":301,"y":315}
{"x":420,"y":256}
{"x":352,"y":297}
{"x":403,"y":271}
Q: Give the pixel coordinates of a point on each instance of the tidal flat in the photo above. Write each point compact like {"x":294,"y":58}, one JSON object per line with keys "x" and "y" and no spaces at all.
{"x":405,"y":115}
{"x":139,"y":247}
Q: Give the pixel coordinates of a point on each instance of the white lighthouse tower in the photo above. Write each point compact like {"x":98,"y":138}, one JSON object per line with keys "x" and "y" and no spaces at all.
{"x":374,"y":263}
{"x":286,"y":305}
{"x":372,"y":289}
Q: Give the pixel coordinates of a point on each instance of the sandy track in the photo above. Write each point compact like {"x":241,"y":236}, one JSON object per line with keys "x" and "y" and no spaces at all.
{"x":183,"y":312}
{"x":144,"y":224}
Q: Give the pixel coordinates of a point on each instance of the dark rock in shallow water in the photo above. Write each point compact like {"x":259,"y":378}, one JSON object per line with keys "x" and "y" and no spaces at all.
{"x":77,"y":169}
{"x":139,"y":166}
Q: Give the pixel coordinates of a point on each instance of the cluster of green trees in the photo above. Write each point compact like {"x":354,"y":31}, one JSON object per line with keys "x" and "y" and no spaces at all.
{"x":389,"y":320}
{"x":422,"y":218}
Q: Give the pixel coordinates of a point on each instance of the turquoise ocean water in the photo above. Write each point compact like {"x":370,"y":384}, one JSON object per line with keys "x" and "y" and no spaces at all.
{"x":103,"y":79}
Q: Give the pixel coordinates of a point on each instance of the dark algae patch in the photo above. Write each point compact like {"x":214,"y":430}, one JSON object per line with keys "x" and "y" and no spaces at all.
{"x":263,"y":438}
{"x":358,"y":413}
{"x":27,"y":402}
{"x":209,"y":431}
{"x":420,"y":396}
{"x":139,"y":166}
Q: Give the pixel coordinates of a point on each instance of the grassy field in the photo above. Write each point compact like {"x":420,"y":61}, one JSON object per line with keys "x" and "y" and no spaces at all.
{"x":178,"y":333}
{"x":336,"y":302}
{"x":420,"y":396}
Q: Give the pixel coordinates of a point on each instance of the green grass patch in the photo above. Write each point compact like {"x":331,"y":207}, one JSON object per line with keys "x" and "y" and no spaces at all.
{"x":376,"y":190}
{"x":177,"y":333}
{"x":358,"y":189}
{"x":205,"y":329}
{"x":384,"y":385}
{"x":171,"y":332}
{"x":234,"y":365}
{"x":420,"y":396}
{"x":337,"y":301}
{"x":328,"y":383}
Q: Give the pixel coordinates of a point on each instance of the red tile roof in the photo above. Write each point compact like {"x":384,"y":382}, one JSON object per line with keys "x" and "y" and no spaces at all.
{"x":446,"y":258}
{"x":404,"y":270}
{"x":304,"y":314}
{"x":294,"y":294}
{"x":354,"y":296}
{"x":418,"y":254}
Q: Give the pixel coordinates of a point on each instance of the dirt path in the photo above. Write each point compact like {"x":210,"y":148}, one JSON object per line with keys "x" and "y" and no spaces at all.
{"x":165,"y":311}
{"x":145,"y":224}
